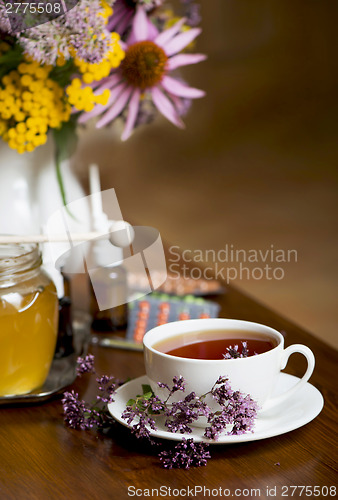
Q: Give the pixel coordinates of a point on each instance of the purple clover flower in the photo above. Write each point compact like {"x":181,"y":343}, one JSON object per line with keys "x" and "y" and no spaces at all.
{"x":185,"y":454}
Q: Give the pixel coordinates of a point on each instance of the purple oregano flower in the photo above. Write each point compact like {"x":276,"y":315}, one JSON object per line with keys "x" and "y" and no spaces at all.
{"x":235,"y":409}
{"x":85,"y":365}
{"x":233,"y":352}
{"x":77,"y":413}
{"x":186,"y":454}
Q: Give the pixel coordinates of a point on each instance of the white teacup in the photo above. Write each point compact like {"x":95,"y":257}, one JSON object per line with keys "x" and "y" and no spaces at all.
{"x":255,"y":375}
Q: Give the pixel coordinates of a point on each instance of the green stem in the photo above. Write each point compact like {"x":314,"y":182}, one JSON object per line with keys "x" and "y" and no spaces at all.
{"x":61,"y":184}
{"x":65,"y":144}
{"x":60,"y":179}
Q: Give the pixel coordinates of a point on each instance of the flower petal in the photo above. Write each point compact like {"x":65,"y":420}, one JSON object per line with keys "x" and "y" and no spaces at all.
{"x":120,"y":7}
{"x":180,"y":89}
{"x":96,"y":83}
{"x":140,"y":25}
{"x":168,"y":34}
{"x":123,"y":45}
{"x":116,"y":109}
{"x":181,"y":41}
{"x":184,"y":60}
{"x":99,"y":108}
{"x":108,"y":83}
{"x":132,"y":114}
{"x":165,"y":107}
{"x":152,"y":31}
{"x":116,"y":18}
{"x":123,"y":24}
{"x":182,"y":105}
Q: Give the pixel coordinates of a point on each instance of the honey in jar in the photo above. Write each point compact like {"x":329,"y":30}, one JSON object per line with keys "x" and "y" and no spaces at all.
{"x":28,"y":320}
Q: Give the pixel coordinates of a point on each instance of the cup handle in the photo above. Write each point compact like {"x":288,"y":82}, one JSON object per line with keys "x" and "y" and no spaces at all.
{"x":285,"y":357}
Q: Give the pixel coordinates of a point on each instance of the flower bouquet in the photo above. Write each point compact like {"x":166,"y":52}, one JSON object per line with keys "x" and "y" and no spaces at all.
{"x":65,"y":62}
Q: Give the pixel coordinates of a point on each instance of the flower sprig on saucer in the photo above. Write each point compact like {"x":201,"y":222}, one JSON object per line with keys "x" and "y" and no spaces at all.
{"x":235,"y":410}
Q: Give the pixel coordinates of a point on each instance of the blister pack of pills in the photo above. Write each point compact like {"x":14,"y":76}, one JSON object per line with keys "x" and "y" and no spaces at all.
{"x":158,"y":309}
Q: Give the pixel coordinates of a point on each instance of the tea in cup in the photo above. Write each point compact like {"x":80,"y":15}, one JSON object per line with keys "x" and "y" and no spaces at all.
{"x":249,"y":354}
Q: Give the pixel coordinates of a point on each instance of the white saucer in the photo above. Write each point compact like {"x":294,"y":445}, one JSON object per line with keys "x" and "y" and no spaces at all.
{"x":299,"y":410}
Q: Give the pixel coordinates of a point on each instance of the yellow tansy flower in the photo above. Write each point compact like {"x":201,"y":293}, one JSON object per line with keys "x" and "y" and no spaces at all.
{"x":30,"y":104}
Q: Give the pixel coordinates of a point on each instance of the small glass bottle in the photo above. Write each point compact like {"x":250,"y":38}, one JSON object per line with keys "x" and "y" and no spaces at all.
{"x":28,"y":320}
{"x":108,"y":288}
{"x":112,"y":285}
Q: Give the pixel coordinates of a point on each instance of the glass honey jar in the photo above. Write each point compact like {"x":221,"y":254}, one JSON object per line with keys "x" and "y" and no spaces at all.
{"x":28,"y":319}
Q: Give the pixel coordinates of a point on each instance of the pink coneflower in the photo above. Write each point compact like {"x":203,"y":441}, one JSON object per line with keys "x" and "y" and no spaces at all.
{"x":149,"y":58}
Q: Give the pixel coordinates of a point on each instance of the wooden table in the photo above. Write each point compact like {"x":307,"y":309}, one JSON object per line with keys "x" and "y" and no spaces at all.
{"x":41,"y":458}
